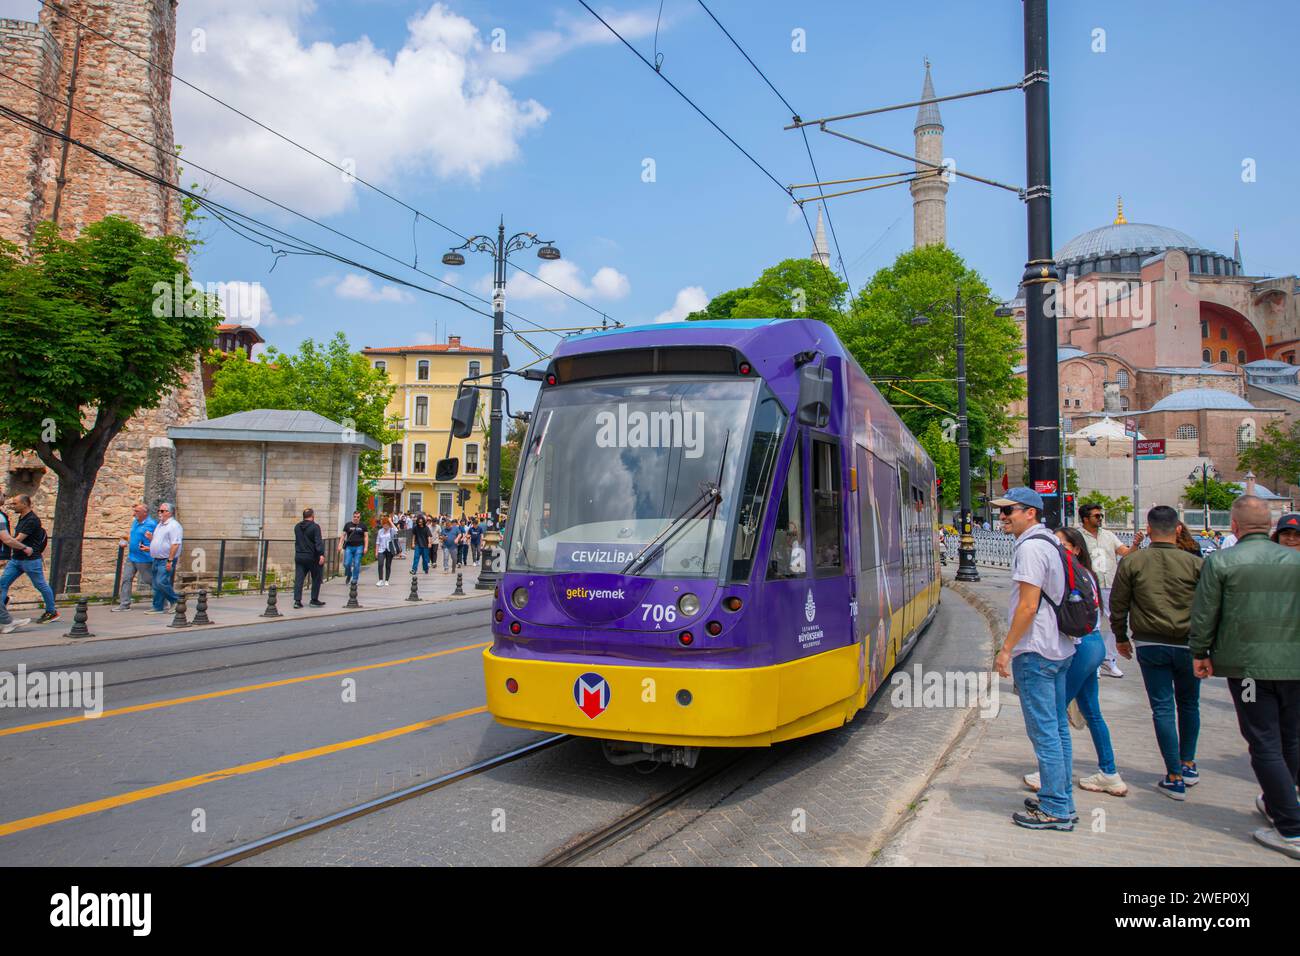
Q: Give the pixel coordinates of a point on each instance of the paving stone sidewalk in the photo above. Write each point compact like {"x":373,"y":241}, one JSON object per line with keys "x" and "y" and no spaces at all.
{"x":240,"y":609}
{"x":964,"y":817}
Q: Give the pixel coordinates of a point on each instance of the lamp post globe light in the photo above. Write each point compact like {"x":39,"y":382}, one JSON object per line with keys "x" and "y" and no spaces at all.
{"x":500,"y":250}
{"x":966,"y":569}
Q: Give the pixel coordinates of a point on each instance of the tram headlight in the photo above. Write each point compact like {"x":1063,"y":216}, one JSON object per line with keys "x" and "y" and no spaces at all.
{"x":689,"y":605}
{"x":519,"y":598}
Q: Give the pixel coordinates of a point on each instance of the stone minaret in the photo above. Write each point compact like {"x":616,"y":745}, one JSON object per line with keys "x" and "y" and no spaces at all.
{"x":929,"y":190}
{"x":821,"y":251}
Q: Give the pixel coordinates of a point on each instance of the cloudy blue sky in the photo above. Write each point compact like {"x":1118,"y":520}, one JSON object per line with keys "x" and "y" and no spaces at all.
{"x":468,"y":110}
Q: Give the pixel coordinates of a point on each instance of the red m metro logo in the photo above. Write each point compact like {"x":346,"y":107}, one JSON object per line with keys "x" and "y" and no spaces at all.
{"x":591,"y":694}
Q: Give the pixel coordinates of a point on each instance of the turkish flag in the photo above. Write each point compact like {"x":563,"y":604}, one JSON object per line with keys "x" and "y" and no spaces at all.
{"x":1006,"y":485}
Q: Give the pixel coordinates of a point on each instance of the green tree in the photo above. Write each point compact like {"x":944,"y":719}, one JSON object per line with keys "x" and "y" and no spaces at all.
{"x":1276,"y":456}
{"x":922,"y":360}
{"x":330,"y":380}
{"x":791,"y":289}
{"x":93,"y":331}
{"x":947,"y":460}
{"x":1116,"y":510}
{"x":1221,"y":494}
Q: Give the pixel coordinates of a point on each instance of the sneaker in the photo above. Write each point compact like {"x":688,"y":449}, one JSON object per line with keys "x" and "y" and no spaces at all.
{"x":1191,"y":776}
{"x":1173,"y":789}
{"x":48,"y":617}
{"x":1110,"y":669}
{"x":1100,"y":782}
{"x":1032,"y":781}
{"x":1076,"y":716}
{"x":1270,"y":838}
{"x":152,"y":611}
{"x":317,"y":603}
{"x":20,"y":622}
{"x":121,"y":607}
{"x":1259,"y":801}
{"x":297,"y":605}
{"x":1036,"y":819}
{"x":1031,"y":803}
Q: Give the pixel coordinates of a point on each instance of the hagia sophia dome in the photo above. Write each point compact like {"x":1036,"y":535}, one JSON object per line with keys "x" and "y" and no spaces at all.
{"x":1122,"y":246}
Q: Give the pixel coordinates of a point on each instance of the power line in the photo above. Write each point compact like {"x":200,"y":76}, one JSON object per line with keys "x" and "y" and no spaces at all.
{"x":807,"y":145}
{"x":58,"y":9}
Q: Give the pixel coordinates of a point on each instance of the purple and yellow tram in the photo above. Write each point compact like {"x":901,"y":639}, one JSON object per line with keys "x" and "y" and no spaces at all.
{"x":721,"y":535}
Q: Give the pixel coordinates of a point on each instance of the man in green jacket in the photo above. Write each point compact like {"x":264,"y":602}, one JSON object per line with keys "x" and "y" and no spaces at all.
{"x":1152,"y":598}
{"x":1246,"y":627}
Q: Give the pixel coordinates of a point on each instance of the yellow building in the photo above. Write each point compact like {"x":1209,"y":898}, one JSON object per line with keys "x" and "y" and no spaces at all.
{"x":427,"y":377}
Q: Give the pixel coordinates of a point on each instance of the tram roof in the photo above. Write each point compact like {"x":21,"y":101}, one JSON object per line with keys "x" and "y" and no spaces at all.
{"x":754,"y":338}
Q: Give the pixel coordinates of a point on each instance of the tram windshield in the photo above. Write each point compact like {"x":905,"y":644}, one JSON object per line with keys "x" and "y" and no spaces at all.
{"x":628,"y":471}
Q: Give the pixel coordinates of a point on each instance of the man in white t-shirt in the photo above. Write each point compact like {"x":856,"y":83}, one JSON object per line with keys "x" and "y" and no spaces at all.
{"x":1039,"y":655}
{"x":1104,"y":551}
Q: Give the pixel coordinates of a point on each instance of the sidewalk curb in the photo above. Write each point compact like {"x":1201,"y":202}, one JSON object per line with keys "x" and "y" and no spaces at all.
{"x":912,"y":805}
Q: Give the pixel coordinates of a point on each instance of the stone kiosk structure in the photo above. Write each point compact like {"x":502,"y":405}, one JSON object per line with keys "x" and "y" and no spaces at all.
{"x":246,"y":478}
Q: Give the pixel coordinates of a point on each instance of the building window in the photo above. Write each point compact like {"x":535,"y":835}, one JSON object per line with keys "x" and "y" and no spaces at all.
{"x":1241,"y":356}
{"x":471,"y":459}
{"x":1065,"y":403}
{"x":1223,"y":332}
{"x":474,"y":369}
{"x":1223,"y":355}
{"x":1245,"y":435}
{"x":418,"y":459}
{"x":415,"y":502}
{"x":1206,"y":357}
{"x":1122,"y":377}
{"x":1289,"y":358}
{"x":1067,"y":425}
{"x":1205,"y":329}
{"x":381,"y":366}
{"x":444,"y":504}
{"x":395,"y":459}
{"x":1186,"y":431}
{"x":1123,"y":403}
{"x":421,"y":411}
{"x":422,"y":370}
{"x":1076,"y":403}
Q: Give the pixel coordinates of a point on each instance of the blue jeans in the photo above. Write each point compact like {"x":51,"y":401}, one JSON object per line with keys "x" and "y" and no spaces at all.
{"x":1081,"y":685}
{"x":34,"y":568}
{"x":1172,"y":685}
{"x":446,"y":555}
{"x":1043,"y":701}
{"x":420,"y":554}
{"x":162,"y":585}
{"x":352,"y":562}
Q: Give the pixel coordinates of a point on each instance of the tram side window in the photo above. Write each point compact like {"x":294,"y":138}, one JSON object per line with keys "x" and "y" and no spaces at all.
{"x":769,"y":425}
{"x":789,"y":558}
{"x":827,"y":519}
{"x":866,"y":510}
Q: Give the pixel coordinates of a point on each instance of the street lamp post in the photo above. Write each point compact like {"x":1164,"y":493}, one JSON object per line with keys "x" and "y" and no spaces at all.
{"x":499,"y":249}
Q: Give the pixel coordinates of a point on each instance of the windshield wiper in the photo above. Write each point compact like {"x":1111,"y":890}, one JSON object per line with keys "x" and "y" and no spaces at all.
{"x":708,"y":500}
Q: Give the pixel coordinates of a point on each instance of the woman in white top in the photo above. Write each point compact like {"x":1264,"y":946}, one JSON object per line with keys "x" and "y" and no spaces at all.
{"x":385,"y":548}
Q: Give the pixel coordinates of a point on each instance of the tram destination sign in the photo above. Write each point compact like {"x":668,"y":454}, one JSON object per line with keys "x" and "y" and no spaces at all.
{"x":1150,"y":449}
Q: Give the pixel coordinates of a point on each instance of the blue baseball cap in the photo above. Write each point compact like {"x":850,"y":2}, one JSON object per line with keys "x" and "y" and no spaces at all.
{"x":1020,"y":496}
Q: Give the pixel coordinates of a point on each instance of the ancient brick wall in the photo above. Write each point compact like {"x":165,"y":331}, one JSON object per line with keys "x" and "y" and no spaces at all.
{"x":124,"y":90}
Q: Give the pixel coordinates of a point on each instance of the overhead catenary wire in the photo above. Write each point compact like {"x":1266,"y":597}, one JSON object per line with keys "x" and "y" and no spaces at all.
{"x":807,"y":145}
{"x":60,"y":10}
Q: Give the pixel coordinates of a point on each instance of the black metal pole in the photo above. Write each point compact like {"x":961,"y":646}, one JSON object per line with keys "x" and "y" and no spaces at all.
{"x":1040,"y":270}
{"x":498,"y":362}
{"x":966,"y":570}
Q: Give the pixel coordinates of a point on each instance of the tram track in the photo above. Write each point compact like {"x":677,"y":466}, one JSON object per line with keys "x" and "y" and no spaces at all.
{"x":303,"y":830}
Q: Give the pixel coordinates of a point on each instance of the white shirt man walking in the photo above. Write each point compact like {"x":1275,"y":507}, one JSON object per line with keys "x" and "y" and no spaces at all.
{"x":1104,"y":551}
{"x":165,"y":549}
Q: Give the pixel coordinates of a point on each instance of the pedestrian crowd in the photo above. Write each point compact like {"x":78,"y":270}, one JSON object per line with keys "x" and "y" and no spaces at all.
{"x":460,"y":540}
{"x":1186,"y":612}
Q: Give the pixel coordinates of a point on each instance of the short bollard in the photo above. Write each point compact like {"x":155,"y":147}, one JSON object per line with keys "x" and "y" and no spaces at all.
{"x":201,"y":608}
{"x":271,"y":609}
{"x":79,"y":617}
{"x":460,"y":591}
{"x":415,"y":589}
{"x":352,"y":595}
{"x":181,"y":610}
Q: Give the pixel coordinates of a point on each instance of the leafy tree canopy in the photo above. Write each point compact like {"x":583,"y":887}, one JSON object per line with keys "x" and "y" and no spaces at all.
{"x":878,"y":330}
{"x":792,"y":289}
{"x":1116,"y":510}
{"x":330,"y":380}
{"x":1221,"y":494}
{"x":1275,"y":457}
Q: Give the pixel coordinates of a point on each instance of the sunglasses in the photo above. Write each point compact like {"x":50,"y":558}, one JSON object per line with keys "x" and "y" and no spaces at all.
{"x":1007,"y":510}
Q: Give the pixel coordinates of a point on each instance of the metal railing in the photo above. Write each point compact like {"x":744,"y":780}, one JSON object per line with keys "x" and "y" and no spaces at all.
{"x":221,"y":565}
{"x":994,"y":548}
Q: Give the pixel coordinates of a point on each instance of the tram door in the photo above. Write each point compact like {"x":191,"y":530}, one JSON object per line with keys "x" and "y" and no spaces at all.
{"x":905,"y":519}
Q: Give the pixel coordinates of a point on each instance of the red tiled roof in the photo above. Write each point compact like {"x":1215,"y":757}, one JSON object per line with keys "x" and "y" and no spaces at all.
{"x":236,"y":327}
{"x":440,"y":349}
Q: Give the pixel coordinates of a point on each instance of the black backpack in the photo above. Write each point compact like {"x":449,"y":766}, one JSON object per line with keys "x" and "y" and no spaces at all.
{"x":1077,"y":614}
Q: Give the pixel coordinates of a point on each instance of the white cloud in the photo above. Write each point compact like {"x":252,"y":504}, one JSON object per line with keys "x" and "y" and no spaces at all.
{"x":363,"y":288}
{"x":607,"y":283}
{"x":428,"y":109}
{"x":248,"y":303}
{"x":690,"y":299}
{"x":509,"y":58}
